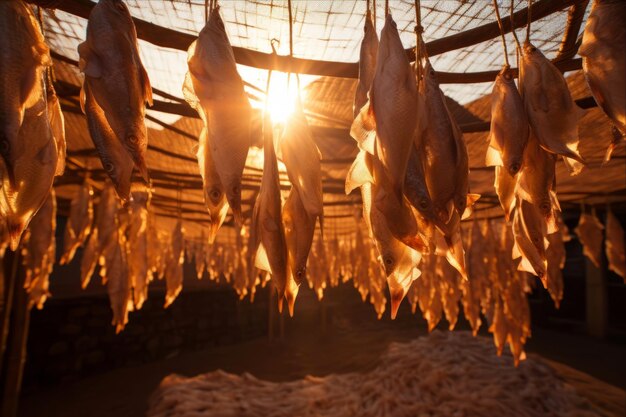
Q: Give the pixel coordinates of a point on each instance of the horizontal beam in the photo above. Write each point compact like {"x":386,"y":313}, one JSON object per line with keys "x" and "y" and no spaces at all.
{"x":490,"y":76}
{"x":169,"y":38}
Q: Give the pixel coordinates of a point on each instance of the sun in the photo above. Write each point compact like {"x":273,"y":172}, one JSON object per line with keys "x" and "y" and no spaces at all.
{"x":282,"y":97}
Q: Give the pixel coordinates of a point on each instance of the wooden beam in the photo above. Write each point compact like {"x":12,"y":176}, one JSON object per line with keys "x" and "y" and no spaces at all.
{"x":569,"y":45}
{"x":489,"y":76}
{"x":169,"y":38}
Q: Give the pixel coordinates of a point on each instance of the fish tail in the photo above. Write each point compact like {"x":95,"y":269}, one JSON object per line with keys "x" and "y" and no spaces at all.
{"x":16,"y":228}
{"x":609,"y":153}
{"x":396,"y":298}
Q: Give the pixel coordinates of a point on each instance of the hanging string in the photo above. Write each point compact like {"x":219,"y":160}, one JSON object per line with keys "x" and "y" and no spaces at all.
{"x":374,"y":14}
{"x":206,"y":11}
{"x":530,"y":5}
{"x":368,"y":5}
{"x":386,"y":8}
{"x":290,"y":28}
{"x":519,"y":46}
{"x":419,"y":29}
{"x":506,"y":52}
{"x":49,"y":71}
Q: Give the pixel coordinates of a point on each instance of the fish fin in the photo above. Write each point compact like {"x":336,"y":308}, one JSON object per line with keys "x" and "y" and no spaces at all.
{"x":396,"y":296}
{"x":363,"y":129}
{"x":30,"y":90}
{"x":449,"y":211}
{"x":515,"y":253}
{"x":555,"y":200}
{"x":574,"y":166}
{"x":89,"y":63}
{"x":469,"y":208}
{"x":358,"y":174}
{"x":526,"y":266}
{"x":609,"y":153}
{"x":145,"y":83}
{"x":261,"y":260}
{"x":189,"y":93}
{"x":493,"y":157}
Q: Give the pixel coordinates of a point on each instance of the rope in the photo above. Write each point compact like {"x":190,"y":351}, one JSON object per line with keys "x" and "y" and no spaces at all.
{"x":206,"y":11}
{"x":506,"y":52}
{"x":530,"y":5}
{"x":386,"y":8}
{"x":290,"y":28}
{"x":419,"y":29}
{"x":519,"y":46}
{"x":374,"y":13}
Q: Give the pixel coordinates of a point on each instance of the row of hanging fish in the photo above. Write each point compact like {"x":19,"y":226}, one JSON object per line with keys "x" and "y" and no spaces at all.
{"x":591,"y":233}
{"x":280,"y":233}
{"x":32,"y":133}
{"x":530,"y":128}
{"x":407,"y":138}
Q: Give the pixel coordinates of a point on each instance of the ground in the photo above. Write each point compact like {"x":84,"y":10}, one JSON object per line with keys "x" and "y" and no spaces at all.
{"x":350,"y":341}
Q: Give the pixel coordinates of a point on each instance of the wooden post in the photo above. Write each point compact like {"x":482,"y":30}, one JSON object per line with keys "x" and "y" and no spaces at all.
{"x":11,"y":260}
{"x":16,"y":353}
{"x":323,"y":315}
{"x":281,"y":324}
{"x":271,"y":307}
{"x":596,"y":300}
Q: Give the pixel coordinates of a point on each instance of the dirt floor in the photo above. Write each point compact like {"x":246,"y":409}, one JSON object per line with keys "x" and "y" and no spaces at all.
{"x":349,"y":341}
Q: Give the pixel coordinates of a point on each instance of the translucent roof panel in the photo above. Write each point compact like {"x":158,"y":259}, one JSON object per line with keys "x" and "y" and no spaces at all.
{"x":322,"y":30}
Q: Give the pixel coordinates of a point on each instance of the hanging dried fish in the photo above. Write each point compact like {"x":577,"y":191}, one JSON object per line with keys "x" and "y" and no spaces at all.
{"x":25,"y":55}
{"x":531,"y":242}
{"x":38,"y":251}
{"x":79,"y":222}
{"x":139,"y":271}
{"x":509,"y":129}
{"x":552,"y":113}
{"x":302,"y":161}
{"x":589,"y":231}
{"x":271,"y":252}
{"x":174,"y":265}
{"x":444,"y":150}
{"x":604,"y":62}
{"x":367,"y":64}
{"x":215,"y":89}
{"x":103,"y":232}
{"x":118,"y":284}
{"x":386,"y":126}
{"x":57,"y":124}
{"x":555,"y":255}
{"x":615,"y":252}
{"x":536,"y":183}
{"x":115,"y":91}
{"x":299,"y":231}
{"x":33,"y":172}
{"x":214,"y":196}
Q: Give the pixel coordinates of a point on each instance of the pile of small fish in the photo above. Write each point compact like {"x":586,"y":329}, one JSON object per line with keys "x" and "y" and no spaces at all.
{"x":441,"y":374}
